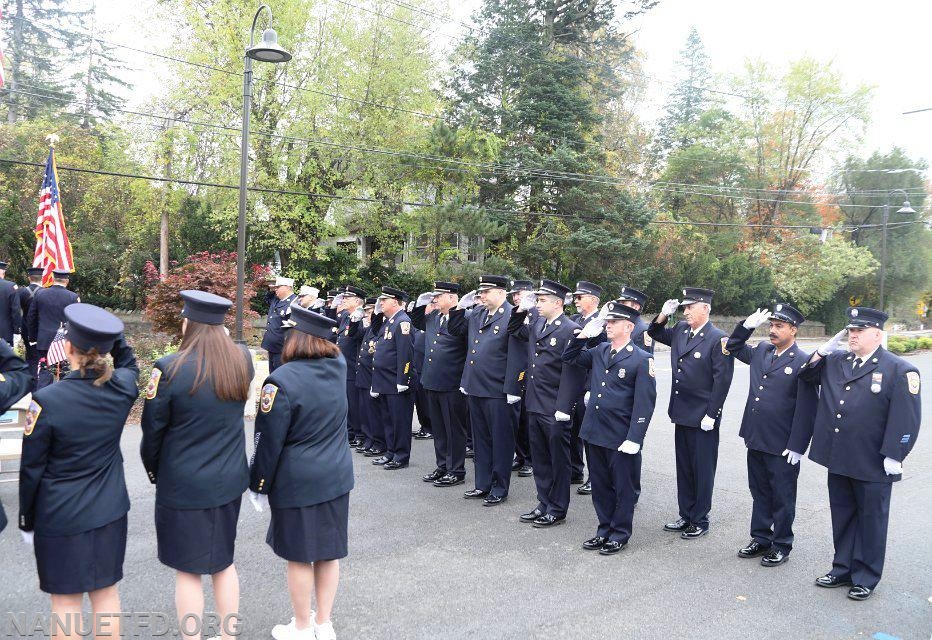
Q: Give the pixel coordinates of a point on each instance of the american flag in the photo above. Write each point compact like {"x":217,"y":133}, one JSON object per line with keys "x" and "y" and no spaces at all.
{"x":53,"y":250}
{"x":56,"y":352}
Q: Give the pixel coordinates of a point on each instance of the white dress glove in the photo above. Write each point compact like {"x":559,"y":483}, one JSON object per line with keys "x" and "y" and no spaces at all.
{"x":463,"y":390}
{"x":585,"y":399}
{"x":28,"y":537}
{"x":756,"y":319}
{"x":603,"y":312}
{"x":17,"y":339}
{"x":527,"y":302}
{"x":259,"y":501}
{"x":512,"y":399}
{"x":707,"y":423}
{"x":833,"y":344}
{"x":357,"y":315}
{"x":378,"y":306}
{"x":401,"y":388}
{"x":568,"y":299}
{"x":373,"y":393}
{"x":592,"y":329}
{"x":467,"y":301}
{"x":337,"y":301}
{"x":559,"y":416}
{"x":892,"y":467}
{"x":629,"y":447}
{"x":318,"y":304}
{"x":791,"y":456}
{"x":424,"y":299}
{"x":669,"y":307}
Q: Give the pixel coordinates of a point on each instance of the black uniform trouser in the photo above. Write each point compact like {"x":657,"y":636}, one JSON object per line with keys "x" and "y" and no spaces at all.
{"x":696,"y":461}
{"x":32,"y":360}
{"x":353,"y":417}
{"x":773,"y":487}
{"x":448,"y":416}
{"x":494,"y":440}
{"x":396,"y":411}
{"x":373,"y":428}
{"x":550,"y":447}
{"x":614,"y":476}
{"x":44,"y":375}
{"x":424,"y":419}
{"x":576,"y":444}
{"x":275,"y":360}
{"x":860,"y":512}
{"x":522,"y":441}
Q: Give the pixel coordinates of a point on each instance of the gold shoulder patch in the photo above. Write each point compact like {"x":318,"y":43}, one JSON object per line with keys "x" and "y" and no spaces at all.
{"x":152,"y":388}
{"x":650,"y":367}
{"x":32,"y":416}
{"x":912,"y":378}
{"x":520,"y":376}
{"x":268,"y":397}
{"x":405,"y":328}
{"x":724,"y":350}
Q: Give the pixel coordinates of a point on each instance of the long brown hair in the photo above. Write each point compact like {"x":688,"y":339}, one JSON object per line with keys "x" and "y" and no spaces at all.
{"x":91,"y":359}
{"x":217,"y":359}
{"x":303,"y":346}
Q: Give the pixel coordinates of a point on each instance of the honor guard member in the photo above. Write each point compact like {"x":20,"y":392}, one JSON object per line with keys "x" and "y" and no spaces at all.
{"x":282,"y":295}
{"x":516,"y":381}
{"x":635,"y":299}
{"x":303,"y":469}
{"x":194,"y":453}
{"x":331,"y":304}
{"x":373,"y":445}
{"x":348,"y":337}
{"x":72,"y":492}
{"x":11,"y":315}
{"x":441,"y":372}
{"x":586,"y":300}
{"x":15,"y":382}
{"x":552,"y":388}
{"x":486,"y":327}
{"x":766,"y":426}
{"x":26,"y":294}
{"x":46,"y":315}
{"x":425,"y":426}
{"x":866,"y":424}
{"x":393,"y":377}
{"x":702,"y":371}
{"x":624,"y":391}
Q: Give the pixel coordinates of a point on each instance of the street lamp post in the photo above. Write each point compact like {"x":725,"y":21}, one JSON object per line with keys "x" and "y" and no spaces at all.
{"x":266,"y":51}
{"x":906,"y":208}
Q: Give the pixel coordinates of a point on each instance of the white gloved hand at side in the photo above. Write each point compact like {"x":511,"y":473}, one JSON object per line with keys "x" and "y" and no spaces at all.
{"x":424,"y":299}
{"x":559,"y":416}
{"x":373,"y":393}
{"x":527,"y":301}
{"x":669,"y":307}
{"x":585,"y":399}
{"x":892,"y":467}
{"x":707,"y":423}
{"x":833,"y":344}
{"x":401,"y":388}
{"x":463,"y":390}
{"x":467,"y":301}
{"x":792,"y":457}
{"x":512,"y":399}
{"x":757,"y":318}
{"x":259,"y":501}
{"x":28,"y":537}
{"x":629,"y":447}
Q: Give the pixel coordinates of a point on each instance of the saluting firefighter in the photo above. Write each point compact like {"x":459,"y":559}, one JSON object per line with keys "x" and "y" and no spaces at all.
{"x":348,"y":338}
{"x":281,"y":295}
{"x":194,"y":452}
{"x":26,"y":295}
{"x":441,"y":371}
{"x":373,"y":445}
{"x":15,"y":382}
{"x":393,"y":376}
{"x":516,"y":383}
{"x":631,"y":297}
{"x":553,"y":387}
{"x":774,"y":398}
{"x":702,"y":371}
{"x":302,"y":468}
{"x":586,"y":298}
{"x":72,"y":491}
{"x":485,"y":326}
{"x":866,"y":424}
{"x":46,"y":315}
{"x":621,"y":404}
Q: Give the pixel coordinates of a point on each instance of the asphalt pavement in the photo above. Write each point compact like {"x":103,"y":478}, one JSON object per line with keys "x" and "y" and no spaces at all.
{"x":425,"y":563}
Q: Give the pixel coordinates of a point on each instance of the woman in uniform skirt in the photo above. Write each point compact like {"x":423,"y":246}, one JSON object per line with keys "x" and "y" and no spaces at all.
{"x":194,"y":451}
{"x":72,"y":492}
{"x":303,"y":468}
{"x":15,"y":382}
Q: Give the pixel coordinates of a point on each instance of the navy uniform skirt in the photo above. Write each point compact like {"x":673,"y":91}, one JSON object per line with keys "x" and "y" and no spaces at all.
{"x":81,"y":562}
{"x":309,"y":534}
{"x":199,"y":541}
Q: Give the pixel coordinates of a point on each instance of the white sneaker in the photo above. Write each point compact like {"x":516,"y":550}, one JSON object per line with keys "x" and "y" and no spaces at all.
{"x":325,"y":631}
{"x":289,"y":632}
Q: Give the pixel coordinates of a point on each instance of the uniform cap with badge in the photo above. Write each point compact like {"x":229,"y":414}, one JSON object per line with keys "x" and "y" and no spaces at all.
{"x":865,"y":317}
{"x":61,"y":274}
{"x":308,"y":290}
{"x":618,"y":311}
{"x":552,"y":288}
{"x":204,"y":307}
{"x":350,"y":290}
{"x":632,"y":294}
{"x":313,"y":323}
{"x":487,"y":282}
{"x":392,"y":292}
{"x":785,"y":313}
{"x":695,"y":294}
{"x":34,"y":271}
{"x":90,"y":327}
{"x":517,"y":286}
{"x":281,"y":281}
{"x":370,"y":302}
{"x":445,"y":287}
{"x":586,"y":288}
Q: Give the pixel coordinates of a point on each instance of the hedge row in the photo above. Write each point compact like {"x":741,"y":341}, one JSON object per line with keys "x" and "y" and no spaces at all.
{"x":899,"y":344}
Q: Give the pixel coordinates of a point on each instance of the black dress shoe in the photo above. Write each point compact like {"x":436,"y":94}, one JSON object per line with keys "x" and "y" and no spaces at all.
{"x":470,"y":453}
{"x":548,"y":520}
{"x":594,"y":544}
{"x":392,"y":465}
{"x":423,"y":435}
{"x":449,"y":481}
{"x":858,"y":592}
{"x":525,"y":471}
{"x":774,"y":559}
{"x":830,"y":582}
{"x":585,"y":489}
{"x":475,"y":493}
{"x":375,"y":453}
{"x":693,"y":531}
{"x":574,"y":479}
{"x":678,"y":525}
{"x":381,"y":460}
{"x":515,"y":465}
{"x":611,"y":547}
{"x":361,"y":449}
{"x":531,"y":516}
{"x":492,"y":501}
{"x":753,"y":550}
{"x":436,"y":474}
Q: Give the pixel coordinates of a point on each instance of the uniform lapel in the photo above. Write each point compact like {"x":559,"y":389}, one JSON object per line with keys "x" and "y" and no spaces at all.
{"x":698,"y":338}
{"x":546,"y":330}
{"x":492,"y":317}
{"x":864,"y":369}
{"x":785,"y":358}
